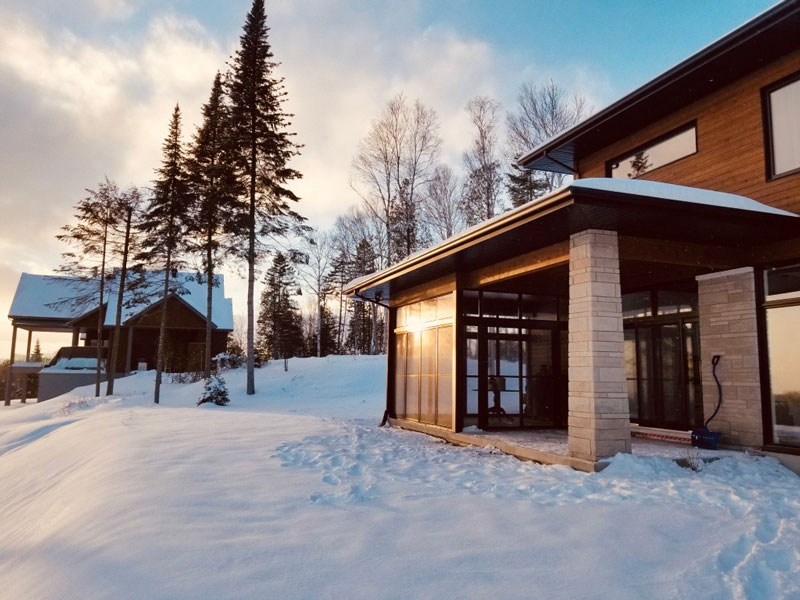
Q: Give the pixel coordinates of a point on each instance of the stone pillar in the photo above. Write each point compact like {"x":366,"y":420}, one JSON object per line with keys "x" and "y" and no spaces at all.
{"x":727,"y":307}
{"x":599,"y":419}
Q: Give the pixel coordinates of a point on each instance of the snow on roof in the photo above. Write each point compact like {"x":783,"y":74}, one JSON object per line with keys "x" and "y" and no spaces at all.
{"x":194,"y":296}
{"x":47,"y":296}
{"x":633,"y":187}
{"x":678,"y":193}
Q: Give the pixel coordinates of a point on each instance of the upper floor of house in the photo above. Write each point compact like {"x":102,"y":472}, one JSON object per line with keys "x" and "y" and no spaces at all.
{"x":725,"y":119}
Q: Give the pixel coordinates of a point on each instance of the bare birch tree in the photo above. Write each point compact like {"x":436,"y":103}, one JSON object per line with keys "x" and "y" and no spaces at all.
{"x":483,"y":187}
{"x":542,"y":112}
{"x":442,"y":210}
{"x":315,"y":272}
{"x":392,"y":165}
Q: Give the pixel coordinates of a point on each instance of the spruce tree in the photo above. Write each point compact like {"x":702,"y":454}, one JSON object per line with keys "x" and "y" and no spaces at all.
{"x":265,"y":148}
{"x":128,"y":210}
{"x":523,"y":187}
{"x":164,"y":226}
{"x":362,"y":336}
{"x":280,"y":332}
{"x":90,"y":237}
{"x":36,"y":356}
{"x":214,"y":182}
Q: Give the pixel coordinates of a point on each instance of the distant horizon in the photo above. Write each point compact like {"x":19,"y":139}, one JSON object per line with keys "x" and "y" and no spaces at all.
{"x":88,"y":88}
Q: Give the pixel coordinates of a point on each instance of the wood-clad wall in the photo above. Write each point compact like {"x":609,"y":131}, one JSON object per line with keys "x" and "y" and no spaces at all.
{"x":730,"y":143}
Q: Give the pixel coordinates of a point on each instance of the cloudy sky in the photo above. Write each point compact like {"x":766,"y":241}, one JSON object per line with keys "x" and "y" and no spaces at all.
{"x":87,"y":86}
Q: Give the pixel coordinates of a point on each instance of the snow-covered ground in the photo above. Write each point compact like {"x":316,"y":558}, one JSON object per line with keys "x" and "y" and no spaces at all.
{"x":296,"y":493}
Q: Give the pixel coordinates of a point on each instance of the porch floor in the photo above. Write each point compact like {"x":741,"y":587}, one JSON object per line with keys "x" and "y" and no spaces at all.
{"x":549,"y":446}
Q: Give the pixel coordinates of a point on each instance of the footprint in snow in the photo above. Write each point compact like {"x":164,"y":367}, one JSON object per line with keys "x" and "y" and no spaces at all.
{"x":734,"y":554}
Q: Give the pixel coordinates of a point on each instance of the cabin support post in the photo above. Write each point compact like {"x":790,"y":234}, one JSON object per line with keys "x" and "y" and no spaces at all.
{"x":76,"y":332}
{"x":28,"y":349}
{"x":599,"y":421}
{"x":128,"y":351}
{"x":10,"y":363}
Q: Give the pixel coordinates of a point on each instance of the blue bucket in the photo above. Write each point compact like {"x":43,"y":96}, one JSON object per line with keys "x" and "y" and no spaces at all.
{"x":703,"y":438}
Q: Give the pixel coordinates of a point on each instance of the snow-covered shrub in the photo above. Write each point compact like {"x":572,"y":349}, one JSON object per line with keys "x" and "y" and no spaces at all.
{"x":185,"y":377}
{"x":693,"y":460}
{"x":215,"y":390}
{"x":226,"y":361}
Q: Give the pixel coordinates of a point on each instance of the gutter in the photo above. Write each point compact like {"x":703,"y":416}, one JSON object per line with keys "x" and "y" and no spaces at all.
{"x":452,"y":244}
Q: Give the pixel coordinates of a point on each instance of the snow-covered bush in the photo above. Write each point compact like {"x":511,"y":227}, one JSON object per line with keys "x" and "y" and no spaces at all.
{"x":215,"y":390}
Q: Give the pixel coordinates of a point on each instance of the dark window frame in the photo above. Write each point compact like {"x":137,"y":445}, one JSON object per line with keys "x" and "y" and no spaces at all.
{"x":657,"y":140}
{"x":765,"y":370}
{"x":766,"y":118}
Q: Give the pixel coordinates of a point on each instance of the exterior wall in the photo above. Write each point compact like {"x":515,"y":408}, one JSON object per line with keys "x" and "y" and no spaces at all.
{"x":730,"y":143}
{"x":727,"y":307}
{"x":599,"y":419}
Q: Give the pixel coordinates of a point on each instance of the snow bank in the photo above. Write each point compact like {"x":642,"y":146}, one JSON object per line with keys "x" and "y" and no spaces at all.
{"x":295,"y":493}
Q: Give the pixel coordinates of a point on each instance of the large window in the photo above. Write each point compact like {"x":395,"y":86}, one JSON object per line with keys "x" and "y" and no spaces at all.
{"x":783,"y":333}
{"x":662,"y":357}
{"x":423,"y":382}
{"x":673,"y":146}
{"x":782,"y":123}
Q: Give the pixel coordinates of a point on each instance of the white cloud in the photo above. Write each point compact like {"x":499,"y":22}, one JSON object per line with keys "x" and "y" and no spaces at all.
{"x":78,"y":108}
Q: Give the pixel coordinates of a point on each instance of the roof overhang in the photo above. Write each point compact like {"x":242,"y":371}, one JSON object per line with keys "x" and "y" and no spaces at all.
{"x":768,"y":36}
{"x":572,"y":209}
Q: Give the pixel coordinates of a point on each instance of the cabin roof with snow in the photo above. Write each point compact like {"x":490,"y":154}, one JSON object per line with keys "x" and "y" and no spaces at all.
{"x":50,"y":302}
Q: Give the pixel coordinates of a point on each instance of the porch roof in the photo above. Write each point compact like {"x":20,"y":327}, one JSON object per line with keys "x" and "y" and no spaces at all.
{"x":631,"y":207}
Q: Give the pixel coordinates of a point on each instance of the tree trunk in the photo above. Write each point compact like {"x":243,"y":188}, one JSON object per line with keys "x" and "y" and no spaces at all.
{"x":118,"y":319}
{"x":162,"y":334}
{"x":339,"y":328}
{"x":319,"y":326}
{"x":101,"y":314}
{"x":209,"y":305}
{"x":251,"y":274}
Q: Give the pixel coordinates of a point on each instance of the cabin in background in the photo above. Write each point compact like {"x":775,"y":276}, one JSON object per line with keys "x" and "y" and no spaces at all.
{"x":48,"y":303}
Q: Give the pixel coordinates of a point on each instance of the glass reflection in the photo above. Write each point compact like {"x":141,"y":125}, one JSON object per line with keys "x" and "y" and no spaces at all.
{"x":783,"y":330}
{"x":656,"y":155}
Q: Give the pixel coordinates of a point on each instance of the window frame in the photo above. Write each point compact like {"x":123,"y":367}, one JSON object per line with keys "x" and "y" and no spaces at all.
{"x":766,"y":117}
{"x":652,"y":142}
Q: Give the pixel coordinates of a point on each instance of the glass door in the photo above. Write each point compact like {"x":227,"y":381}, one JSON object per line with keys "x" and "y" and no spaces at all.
{"x":662,"y":365}
{"x":514,"y":377}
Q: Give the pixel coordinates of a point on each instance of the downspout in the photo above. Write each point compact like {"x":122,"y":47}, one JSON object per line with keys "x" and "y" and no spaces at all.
{"x":385,"y":418}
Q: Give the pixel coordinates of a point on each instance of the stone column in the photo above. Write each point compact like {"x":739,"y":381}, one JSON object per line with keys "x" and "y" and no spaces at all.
{"x":599,"y":419}
{"x":727,"y":307}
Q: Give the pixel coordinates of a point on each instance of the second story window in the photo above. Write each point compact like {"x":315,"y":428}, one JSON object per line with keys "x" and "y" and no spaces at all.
{"x":782,"y":126}
{"x":673,"y":146}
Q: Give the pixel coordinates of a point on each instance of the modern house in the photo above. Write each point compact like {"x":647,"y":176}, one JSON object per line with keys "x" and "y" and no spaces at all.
{"x":597,"y":309}
{"x":68,"y":304}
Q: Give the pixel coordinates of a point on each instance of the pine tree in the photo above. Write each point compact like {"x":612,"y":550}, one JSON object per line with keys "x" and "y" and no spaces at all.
{"x":523,"y":187}
{"x":213,"y":178}
{"x":128,"y":210}
{"x":164,"y":225}
{"x":265,"y":148}
{"x":362,"y":335}
{"x":279,"y":325}
{"x":95,"y":216}
{"x":36,"y":356}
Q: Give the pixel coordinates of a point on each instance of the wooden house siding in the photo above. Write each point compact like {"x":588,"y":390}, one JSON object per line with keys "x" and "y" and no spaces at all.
{"x":730,"y":143}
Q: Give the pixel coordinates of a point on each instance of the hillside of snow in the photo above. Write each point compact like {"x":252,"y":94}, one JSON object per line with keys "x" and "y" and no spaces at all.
{"x":296,"y":493}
